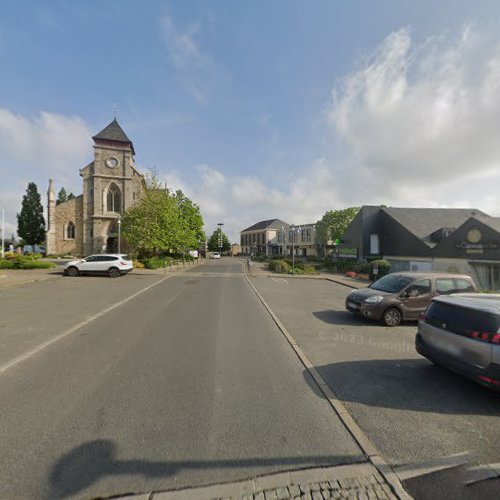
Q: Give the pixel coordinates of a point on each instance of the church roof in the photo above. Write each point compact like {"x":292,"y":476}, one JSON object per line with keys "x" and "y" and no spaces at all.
{"x":113,"y":132}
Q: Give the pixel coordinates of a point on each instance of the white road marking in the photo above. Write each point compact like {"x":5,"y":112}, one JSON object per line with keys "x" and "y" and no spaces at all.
{"x":280,"y":281}
{"x":364,"y":443}
{"x":74,"y":328}
{"x":410,"y":471}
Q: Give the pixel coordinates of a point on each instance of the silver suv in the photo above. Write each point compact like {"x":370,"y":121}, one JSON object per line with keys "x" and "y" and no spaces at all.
{"x":462,"y":332}
{"x":112,"y":264}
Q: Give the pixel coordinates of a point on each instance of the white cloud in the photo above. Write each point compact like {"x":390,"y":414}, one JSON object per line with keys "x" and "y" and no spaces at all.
{"x":416,"y":118}
{"x":38,"y":148}
{"x":198,"y":73}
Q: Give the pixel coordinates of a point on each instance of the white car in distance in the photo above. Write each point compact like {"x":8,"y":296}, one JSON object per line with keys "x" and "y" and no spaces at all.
{"x":112,"y":264}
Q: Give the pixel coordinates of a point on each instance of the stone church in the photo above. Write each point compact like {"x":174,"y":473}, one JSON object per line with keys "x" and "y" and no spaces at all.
{"x":88,"y":223}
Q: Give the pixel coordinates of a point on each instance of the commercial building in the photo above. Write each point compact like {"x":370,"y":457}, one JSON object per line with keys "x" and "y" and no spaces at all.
{"x":427,"y":239}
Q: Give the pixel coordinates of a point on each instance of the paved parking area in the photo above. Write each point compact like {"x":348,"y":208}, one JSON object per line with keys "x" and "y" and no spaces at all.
{"x":411,"y":410}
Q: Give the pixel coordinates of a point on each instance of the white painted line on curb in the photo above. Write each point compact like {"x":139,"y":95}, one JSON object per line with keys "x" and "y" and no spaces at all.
{"x":353,"y":428}
{"x":69,"y":331}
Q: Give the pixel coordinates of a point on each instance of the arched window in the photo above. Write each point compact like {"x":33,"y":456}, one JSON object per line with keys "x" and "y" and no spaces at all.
{"x":114,"y":199}
{"x":70,"y":231}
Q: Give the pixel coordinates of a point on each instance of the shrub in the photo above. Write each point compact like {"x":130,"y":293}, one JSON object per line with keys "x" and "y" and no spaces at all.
{"x":383,"y":265}
{"x":279,"y":266}
{"x":137,"y":264}
{"x":10,"y":255}
{"x":157,"y":262}
{"x":21,"y":262}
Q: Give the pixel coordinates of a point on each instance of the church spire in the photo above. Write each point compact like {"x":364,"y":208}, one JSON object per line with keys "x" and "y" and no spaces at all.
{"x":114,"y":133}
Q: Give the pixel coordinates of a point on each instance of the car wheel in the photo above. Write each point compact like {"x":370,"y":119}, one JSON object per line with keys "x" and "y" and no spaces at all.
{"x":113,"y":272}
{"x":391,"y":317}
{"x":72,"y":271}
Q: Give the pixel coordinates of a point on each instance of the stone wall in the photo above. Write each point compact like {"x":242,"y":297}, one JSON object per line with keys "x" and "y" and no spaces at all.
{"x":66,"y":212}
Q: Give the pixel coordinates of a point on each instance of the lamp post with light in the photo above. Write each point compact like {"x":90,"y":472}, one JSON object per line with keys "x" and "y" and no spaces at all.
{"x":220,"y":224}
{"x":119,"y":221}
{"x":295,"y":230}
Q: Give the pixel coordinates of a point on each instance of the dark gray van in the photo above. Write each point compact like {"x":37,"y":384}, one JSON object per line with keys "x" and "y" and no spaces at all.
{"x":403,"y":296}
{"x":462,"y":333}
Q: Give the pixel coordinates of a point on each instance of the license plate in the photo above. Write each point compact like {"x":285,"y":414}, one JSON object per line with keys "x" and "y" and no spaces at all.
{"x":352,"y":305}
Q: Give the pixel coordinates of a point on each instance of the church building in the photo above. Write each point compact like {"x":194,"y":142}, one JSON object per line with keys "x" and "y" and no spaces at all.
{"x":88,"y":223}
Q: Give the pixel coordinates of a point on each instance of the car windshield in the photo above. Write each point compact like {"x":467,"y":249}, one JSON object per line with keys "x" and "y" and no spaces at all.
{"x":392,"y":283}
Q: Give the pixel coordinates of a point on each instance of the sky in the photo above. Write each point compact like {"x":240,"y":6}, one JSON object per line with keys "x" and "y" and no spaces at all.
{"x":258,"y":109}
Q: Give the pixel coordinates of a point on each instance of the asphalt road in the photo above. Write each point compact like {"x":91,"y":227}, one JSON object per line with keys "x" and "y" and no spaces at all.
{"x":186,"y":383}
{"x":413,"y":411}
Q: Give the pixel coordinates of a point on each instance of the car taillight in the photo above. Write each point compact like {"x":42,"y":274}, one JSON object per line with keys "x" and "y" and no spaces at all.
{"x":488,"y":380}
{"x":123,"y":263}
{"x":493,"y":338}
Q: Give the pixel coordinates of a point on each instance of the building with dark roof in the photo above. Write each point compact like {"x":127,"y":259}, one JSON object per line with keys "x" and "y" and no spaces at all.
{"x":423,"y":239}
{"x":111,"y":184}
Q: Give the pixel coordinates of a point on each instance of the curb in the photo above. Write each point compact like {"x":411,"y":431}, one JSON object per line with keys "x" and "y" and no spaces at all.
{"x":367,"y":447}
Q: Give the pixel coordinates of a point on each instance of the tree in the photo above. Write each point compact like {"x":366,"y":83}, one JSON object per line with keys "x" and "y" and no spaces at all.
{"x":70,"y":196}
{"x":334,"y":224}
{"x":62,"y":196}
{"x":30,"y":222}
{"x":219,"y":242}
{"x":162,"y":221}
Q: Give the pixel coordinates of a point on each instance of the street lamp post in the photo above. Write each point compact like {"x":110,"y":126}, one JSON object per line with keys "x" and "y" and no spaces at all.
{"x":220,"y":224}
{"x":294,"y":232}
{"x":119,"y":221}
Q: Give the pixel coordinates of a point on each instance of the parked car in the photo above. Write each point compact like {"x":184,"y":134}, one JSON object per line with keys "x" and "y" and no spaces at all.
{"x":462,"y":333}
{"x":403,"y":296}
{"x":112,"y":264}
{"x":215,"y":255}
{"x":193,"y":253}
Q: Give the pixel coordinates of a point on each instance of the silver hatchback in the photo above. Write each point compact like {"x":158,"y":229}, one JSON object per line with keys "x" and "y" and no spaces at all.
{"x":462,"y":333}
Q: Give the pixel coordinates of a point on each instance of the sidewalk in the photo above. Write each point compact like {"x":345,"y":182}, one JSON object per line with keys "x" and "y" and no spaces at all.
{"x":360,"y":481}
{"x":259,"y":269}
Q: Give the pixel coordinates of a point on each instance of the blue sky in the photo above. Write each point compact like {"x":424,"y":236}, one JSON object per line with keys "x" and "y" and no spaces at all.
{"x":258,"y":109}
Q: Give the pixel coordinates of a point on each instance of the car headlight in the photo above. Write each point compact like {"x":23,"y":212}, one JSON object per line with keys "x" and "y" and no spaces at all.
{"x":374,"y":300}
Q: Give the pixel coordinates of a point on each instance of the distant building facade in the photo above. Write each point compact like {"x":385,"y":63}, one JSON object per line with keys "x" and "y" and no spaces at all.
{"x":88,"y":223}
{"x":275,"y":237}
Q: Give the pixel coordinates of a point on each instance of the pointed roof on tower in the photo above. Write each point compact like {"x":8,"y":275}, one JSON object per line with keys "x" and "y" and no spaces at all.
{"x":114,"y":133}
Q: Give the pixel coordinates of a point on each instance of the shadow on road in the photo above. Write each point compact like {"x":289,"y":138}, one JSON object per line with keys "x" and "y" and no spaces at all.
{"x":406,"y":384}
{"x":86,"y":464}
{"x":335,"y":317}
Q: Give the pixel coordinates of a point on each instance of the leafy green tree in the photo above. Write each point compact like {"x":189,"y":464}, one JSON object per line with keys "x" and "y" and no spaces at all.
{"x":30,"y":222}
{"x":191,"y":222}
{"x":334,"y":224}
{"x":162,"y":221}
{"x":62,"y":196}
{"x":219,"y":241}
{"x":70,"y":196}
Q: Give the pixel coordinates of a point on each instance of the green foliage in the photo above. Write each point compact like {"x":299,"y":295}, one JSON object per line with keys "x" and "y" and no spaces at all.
{"x":334,"y":224}
{"x":260,"y":258}
{"x":62,"y":196}
{"x":217,"y":240}
{"x":279,"y":266}
{"x":162,"y":221}
{"x":25,"y":262}
{"x":30,"y":222}
{"x":157,"y":262}
{"x":70,"y":196}
{"x":384,"y":267}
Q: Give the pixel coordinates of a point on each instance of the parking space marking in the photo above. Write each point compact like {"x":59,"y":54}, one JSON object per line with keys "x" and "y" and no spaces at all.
{"x":74,"y":328}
